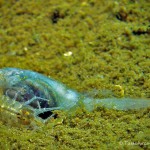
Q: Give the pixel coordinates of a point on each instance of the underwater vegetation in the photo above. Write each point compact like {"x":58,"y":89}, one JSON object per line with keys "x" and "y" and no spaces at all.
{"x":36,"y":35}
{"x":30,"y":95}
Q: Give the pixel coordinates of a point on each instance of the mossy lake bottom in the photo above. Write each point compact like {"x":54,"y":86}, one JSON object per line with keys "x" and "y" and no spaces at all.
{"x":91,"y":46}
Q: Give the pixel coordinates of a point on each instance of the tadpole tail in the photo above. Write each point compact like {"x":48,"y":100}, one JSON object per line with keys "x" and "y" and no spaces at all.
{"x":117,"y":103}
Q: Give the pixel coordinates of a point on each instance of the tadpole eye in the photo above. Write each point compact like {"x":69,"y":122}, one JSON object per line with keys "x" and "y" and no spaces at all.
{"x":10,"y":93}
{"x":13,"y":94}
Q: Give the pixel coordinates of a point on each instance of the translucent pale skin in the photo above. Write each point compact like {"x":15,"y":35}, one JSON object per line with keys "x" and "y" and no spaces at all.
{"x":41,"y":94}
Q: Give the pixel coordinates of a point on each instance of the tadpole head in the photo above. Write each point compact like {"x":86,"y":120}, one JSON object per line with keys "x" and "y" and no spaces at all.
{"x":28,"y":89}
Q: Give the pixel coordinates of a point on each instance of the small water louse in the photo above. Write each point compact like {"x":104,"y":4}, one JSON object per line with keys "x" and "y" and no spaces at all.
{"x":34,"y":95}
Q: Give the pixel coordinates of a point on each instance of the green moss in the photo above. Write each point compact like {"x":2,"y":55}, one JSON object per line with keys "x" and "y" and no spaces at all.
{"x":110,"y":44}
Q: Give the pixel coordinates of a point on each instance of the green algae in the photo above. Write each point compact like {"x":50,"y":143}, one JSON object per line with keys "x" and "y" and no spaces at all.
{"x":110,"y":44}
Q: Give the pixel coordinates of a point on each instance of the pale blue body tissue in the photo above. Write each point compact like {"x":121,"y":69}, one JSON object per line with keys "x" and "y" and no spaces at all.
{"x":28,"y":89}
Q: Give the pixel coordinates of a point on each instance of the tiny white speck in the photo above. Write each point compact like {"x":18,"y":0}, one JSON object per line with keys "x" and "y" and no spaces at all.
{"x":25,"y":48}
{"x":68,"y":53}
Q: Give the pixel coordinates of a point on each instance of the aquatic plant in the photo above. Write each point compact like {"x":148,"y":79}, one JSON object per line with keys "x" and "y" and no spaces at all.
{"x":34,"y":96}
